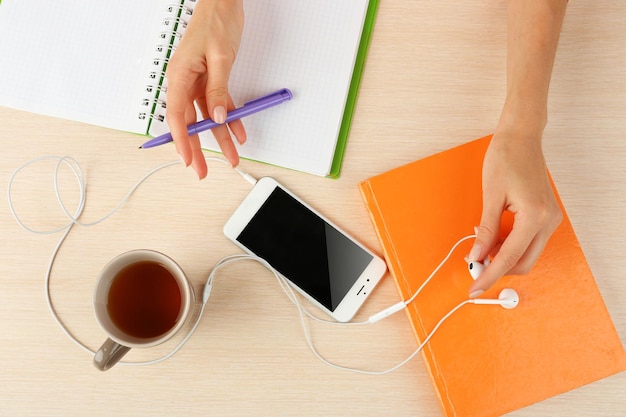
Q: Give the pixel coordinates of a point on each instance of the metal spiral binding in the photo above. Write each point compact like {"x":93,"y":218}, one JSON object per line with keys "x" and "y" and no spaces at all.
{"x":169,"y":48}
{"x":175,"y":21}
{"x":156,"y":75}
{"x":165,"y":35}
{"x":154,"y":104}
{"x":147,"y":102}
{"x":180,"y":8}
{"x":160,"y":61}
{"x":158,"y":117}
{"x":156,"y":88}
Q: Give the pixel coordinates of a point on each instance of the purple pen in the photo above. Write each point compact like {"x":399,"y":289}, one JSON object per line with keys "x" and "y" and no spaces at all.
{"x":251,"y":107}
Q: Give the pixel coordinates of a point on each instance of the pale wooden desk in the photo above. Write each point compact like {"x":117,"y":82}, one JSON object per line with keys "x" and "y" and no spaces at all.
{"x":434,"y":79}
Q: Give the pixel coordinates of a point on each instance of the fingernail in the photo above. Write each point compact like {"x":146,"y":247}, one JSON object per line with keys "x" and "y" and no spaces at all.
{"x":475,"y":230}
{"x":476,"y":293}
{"x":219,"y":114}
{"x":183,"y":160}
{"x":474,"y":253}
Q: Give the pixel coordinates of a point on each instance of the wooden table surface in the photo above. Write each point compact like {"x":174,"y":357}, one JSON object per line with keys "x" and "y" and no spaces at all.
{"x":434,"y":79}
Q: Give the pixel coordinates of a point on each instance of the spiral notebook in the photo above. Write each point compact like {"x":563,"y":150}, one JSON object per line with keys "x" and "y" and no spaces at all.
{"x":103,"y":63}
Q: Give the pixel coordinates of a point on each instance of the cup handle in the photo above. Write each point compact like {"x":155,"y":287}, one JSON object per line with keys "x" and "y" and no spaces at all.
{"x":109,"y":354}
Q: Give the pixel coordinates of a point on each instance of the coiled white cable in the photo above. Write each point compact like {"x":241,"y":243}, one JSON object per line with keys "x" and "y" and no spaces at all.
{"x":73,"y":219}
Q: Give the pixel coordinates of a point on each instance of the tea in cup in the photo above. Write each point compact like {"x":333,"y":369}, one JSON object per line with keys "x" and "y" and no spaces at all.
{"x":142,"y":299}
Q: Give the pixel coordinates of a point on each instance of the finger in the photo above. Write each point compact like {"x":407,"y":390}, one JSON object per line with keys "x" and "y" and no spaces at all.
{"x":177,"y":111}
{"x":201,"y":103}
{"x":239,"y":131}
{"x":488,"y":231}
{"x":514,"y":247}
{"x":217,"y":86}
{"x":236,"y":126}
{"x":222,"y":134}
{"x":178,"y":129}
{"x":199,"y":162}
{"x":225,"y":142}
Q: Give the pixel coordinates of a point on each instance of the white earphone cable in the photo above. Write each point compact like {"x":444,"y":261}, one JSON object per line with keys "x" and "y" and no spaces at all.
{"x":303,"y":311}
{"x":441,"y":264}
{"x":73,"y":220}
{"x":286,"y":287}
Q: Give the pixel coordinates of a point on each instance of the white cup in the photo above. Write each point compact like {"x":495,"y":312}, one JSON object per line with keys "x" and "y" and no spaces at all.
{"x":142,"y":299}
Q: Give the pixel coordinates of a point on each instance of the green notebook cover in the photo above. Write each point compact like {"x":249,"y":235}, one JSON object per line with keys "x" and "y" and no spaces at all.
{"x":344,"y":130}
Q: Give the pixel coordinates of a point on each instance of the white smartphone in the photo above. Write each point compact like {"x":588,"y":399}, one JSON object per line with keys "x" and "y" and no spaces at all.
{"x":328,"y":267}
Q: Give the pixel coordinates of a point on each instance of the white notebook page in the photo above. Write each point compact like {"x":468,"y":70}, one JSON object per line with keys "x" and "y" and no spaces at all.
{"x":90,"y":61}
{"x":309,"y":47}
{"x":87,"y":61}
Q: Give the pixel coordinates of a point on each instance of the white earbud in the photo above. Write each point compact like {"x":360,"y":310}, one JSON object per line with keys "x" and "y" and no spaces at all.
{"x":476,"y":268}
{"x":508,"y":299}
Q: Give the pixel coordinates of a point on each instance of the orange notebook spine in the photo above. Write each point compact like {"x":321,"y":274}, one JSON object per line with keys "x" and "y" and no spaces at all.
{"x":403,"y":287}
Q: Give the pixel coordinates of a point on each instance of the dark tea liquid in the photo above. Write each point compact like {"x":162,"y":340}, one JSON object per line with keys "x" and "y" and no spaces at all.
{"x":144,"y":300}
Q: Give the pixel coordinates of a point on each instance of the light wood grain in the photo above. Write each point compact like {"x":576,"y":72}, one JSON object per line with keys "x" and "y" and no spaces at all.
{"x":434,"y":79}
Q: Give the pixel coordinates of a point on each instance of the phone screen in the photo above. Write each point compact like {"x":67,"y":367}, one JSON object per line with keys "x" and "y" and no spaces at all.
{"x":305,"y":249}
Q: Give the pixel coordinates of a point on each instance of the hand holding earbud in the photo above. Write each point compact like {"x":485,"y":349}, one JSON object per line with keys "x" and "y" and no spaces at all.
{"x":515,"y":179}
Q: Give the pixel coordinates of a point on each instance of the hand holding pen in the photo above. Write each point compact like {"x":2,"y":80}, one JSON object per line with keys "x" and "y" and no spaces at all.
{"x":251,"y":107}
{"x":198,"y":73}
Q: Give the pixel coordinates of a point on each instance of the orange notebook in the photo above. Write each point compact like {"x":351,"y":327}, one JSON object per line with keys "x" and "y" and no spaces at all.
{"x":487,"y":360}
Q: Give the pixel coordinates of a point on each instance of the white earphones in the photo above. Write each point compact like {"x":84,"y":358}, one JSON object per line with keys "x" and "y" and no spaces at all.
{"x":476,"y":268}
{"x":508,"y":299}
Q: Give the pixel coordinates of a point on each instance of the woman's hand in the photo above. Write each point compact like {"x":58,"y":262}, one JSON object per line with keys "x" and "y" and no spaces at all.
{"x":198,"y":73}
{"x":515,"y":179}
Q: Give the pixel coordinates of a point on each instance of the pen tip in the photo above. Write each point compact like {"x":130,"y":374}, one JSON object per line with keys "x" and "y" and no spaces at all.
{"x":141,"y":147}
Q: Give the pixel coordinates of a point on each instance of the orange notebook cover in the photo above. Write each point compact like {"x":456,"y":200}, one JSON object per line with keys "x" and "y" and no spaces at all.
{"x":487,"y":360}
